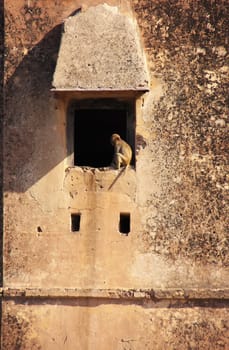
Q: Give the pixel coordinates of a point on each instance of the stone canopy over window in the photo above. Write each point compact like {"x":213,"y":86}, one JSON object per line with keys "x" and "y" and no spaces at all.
{"x":100,"y":50}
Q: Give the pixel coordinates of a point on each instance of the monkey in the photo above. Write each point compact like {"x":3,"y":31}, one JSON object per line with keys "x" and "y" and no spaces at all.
{"x":122,"y":152}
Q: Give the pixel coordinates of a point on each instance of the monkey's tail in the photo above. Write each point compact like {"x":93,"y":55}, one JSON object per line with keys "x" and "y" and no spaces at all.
{"x":123,"y":170}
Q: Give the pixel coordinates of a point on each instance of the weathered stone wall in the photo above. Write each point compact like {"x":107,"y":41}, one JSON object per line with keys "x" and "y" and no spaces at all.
{"x":165,"y":286}
{"x":187,"y":48}
{"x":96,"y":324}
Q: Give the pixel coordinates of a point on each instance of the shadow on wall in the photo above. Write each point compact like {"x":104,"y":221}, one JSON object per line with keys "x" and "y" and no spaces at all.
{"x":1,"y":134}
{"x":32,"y":147}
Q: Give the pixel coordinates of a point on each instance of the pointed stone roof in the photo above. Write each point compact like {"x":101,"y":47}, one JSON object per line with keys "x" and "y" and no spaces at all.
{"x":100,"y":50}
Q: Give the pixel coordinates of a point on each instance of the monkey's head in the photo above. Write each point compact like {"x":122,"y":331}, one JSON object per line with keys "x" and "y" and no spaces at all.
{"x":115,"y":138}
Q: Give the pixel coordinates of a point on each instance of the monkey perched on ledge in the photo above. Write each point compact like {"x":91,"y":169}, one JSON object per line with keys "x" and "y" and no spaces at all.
{"x":122,"y":152}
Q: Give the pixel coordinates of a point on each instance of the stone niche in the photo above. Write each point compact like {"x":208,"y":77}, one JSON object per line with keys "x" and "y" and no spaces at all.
{"x":100,"y":74}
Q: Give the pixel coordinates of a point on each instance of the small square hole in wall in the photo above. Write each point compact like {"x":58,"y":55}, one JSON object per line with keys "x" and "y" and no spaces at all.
{"x":124,"y":223}
{"x":75,"y":222}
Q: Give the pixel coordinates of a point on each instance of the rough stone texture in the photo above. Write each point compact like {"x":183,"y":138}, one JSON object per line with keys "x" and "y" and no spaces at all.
{"x":95,"y":325}
{"x":100,"y":49}
{"x":187,"y":295}
{"x":177,"y":195}
{"x":187,"y":47}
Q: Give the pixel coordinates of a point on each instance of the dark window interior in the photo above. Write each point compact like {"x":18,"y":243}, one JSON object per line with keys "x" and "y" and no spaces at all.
{"x":75,"y":222}
{"x":93,"y":129}
{"x":124,"y":223}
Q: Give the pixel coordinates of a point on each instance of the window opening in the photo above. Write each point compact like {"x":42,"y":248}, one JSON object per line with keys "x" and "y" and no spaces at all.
{"x":91,"y":126}
{"x":124,"y":223}
{"x":93,"y":129}
{"x":75,"y":222}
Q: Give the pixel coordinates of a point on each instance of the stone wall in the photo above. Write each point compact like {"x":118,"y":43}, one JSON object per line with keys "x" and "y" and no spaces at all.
{"x":187,"y":48}
{"x":165,"y":285}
